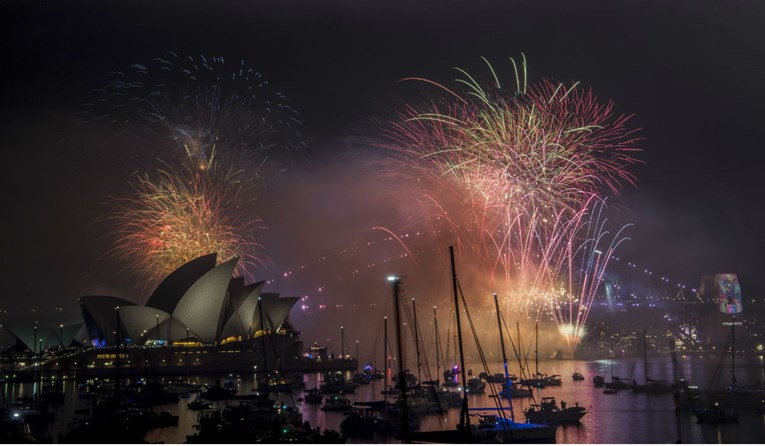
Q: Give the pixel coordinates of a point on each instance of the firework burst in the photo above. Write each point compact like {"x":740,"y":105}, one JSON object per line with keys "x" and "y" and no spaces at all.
{"x":215,"y":129}
{"x":195,"y":105}
{"x":175,"y":217}
{"x":516,"y":175}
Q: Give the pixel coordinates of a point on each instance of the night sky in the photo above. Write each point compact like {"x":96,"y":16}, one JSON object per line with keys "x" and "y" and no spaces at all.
{"x":690,"y":71}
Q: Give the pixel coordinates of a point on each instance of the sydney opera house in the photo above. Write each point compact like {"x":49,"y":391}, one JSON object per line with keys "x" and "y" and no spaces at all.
{"x":200,"y":317}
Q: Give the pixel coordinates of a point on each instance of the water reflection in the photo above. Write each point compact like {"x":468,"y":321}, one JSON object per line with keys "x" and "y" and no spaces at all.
{"x":621,"y":418}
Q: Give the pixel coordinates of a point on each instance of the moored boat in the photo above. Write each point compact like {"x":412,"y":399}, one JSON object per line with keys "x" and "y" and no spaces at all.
{"x":361,"y":378}
{"x":515,"y":391}
{"x":715,"y":415}
{"x":336,"y":383}
{"x":199,"y":404}
{"x":653,"y":386}
{"x":498,"y":429}
{"x":337,"y":404}
{"x":494,"y":378}
{"x":619,"y":384}
{"x":548,"y":412}
{"x":475,"y":386}
{"x":217,"y":393}
{"x":313,"y":396}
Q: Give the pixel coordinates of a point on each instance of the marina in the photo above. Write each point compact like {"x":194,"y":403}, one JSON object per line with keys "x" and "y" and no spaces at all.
{"x":601,"y":424}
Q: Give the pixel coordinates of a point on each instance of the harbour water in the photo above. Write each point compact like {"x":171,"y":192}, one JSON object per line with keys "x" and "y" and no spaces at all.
{"x":625,"y":417}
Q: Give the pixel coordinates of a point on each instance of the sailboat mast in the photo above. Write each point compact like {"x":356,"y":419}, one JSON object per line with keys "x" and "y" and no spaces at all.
{"x":435,"y":322}
{"x":454,"y":349}
{"x":416,"y":340}
{"x":464,"y":418}
{"x":501,"y":338}
{"x":504,"y":358}
{"x":401,"y":375}
{"x":645,"y":358}
{"x":536,"y":350}
{"x":263,"y":344}
{"x":517,"y":352}
{"x":385,"y":358}
{"x":117,"y":358}
{"x":733,"y":350}
{"x":611,"y":361}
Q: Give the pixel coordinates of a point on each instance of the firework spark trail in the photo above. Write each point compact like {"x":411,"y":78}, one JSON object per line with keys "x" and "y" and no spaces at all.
{"x":173,"y":218}
{"x":215,"y":128}
{"x":516,"y":174}
{"x":400,"y":242}
{"x":583,"y":271}
{"x":194,"y":104}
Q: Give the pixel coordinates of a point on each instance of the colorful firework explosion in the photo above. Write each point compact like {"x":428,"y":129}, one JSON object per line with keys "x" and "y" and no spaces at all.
{"x":214,"y":128}
{"x":176,"y":217}
{"x":194,"y":105}
{"x":515,"y":176}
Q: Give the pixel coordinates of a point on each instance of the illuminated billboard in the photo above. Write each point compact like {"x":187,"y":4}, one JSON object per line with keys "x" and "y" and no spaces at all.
{"x":729,"y":293}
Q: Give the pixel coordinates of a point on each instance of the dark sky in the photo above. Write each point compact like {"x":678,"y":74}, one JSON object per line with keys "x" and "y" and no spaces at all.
{"x":691,"y":71}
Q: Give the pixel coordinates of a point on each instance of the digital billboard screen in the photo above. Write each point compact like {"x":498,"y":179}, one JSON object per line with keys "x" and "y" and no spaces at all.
{"x":729,"y":293}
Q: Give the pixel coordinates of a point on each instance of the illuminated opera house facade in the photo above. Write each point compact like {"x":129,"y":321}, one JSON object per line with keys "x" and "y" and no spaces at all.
{"x":199,"y":317}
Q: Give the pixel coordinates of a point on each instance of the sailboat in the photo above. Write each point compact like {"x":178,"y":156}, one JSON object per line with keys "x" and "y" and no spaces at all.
{"x":715,"y":414}
{"x":616,"y":383}
{"x":371,"y":417}
{"x":548,"y":411}
{"x":490,"y":428}
{"x":378,"y":405}
{"x":651,"y":385}
{"x":600,"y":381}
{"x":540,"y":380}
{"x":442,"y":395}
{"x":506,"y":429}
{"x":734,"y":394}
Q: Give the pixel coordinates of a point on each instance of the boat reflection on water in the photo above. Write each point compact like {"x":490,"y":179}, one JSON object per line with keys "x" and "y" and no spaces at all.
{"x":113,"y":421}
{"x":255,"y":423}
{"x":618,"y":416}
{"x":364,"y":423}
